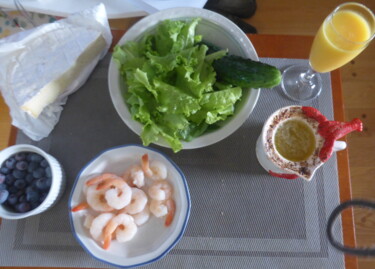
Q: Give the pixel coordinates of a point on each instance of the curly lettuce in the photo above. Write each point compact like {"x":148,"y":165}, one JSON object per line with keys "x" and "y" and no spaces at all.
{"x":171,"y":84}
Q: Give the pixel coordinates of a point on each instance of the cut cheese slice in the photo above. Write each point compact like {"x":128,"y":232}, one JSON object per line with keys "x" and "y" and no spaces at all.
{"x":51,"y":91}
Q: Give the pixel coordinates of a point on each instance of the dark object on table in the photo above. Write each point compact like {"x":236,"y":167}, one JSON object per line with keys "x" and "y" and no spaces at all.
{"x":235,"y":10}
{"x":367,"y":252}
{"x":239,"y":8}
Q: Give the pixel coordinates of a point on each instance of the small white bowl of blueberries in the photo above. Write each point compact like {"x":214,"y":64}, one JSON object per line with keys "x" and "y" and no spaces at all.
{"x":31,"y":181}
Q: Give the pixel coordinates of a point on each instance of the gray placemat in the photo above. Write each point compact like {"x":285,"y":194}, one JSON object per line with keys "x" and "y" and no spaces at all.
{"x":241,"y":217}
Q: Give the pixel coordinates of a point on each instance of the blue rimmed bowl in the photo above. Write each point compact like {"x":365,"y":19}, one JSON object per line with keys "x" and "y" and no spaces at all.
{"x":153,"y":240}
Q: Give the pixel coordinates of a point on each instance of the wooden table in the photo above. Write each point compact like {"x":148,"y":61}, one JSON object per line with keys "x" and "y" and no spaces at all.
{"x":277,"y":46}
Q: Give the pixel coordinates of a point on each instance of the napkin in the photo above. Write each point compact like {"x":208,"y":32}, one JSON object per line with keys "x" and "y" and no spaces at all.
{"x":151,"y":6}
{"x":42,"y":66}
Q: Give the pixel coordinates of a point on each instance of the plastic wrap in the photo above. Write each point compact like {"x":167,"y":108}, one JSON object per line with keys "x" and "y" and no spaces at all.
{"x":42,"y":66}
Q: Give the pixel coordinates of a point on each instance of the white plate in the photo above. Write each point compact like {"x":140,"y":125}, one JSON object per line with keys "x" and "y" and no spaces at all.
{"x":115,"y":8}
{"x":215,"y":29}
{"x":153,"y":240}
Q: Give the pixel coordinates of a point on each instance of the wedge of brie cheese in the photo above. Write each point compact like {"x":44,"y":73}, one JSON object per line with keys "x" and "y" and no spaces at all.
{"x":50,"y":65}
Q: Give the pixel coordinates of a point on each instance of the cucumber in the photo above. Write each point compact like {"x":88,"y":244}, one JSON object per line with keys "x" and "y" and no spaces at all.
{"x":245,"y":73}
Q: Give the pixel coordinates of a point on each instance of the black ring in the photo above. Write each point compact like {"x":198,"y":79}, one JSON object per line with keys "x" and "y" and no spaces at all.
{"x":335,"y":213}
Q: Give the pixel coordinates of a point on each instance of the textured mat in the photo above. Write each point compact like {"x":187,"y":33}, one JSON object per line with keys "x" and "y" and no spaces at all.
{"x":241,"y":217}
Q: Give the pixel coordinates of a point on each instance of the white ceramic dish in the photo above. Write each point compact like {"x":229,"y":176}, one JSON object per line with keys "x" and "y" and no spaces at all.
{"x":215,"y":29}
{"x":57,"y":187}
{"x":153,"y":240}
{"x":115,"y":8}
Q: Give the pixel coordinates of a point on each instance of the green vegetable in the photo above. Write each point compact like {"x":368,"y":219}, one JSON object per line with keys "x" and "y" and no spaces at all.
{"x":171,"y":84}
{"x":243,"y":72}
{"x":247,"y":73}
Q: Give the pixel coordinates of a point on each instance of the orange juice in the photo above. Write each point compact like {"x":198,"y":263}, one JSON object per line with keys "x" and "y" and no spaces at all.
{"x":339,"y":40}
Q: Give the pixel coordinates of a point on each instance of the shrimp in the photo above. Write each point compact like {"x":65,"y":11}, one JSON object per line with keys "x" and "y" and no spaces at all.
{"x":81,"y":206}
{"x":117,"y":192}
{"x":160,"y":190}
{"x":154,"y":170}
{"x":138,"y":202}
{"x":124,"y":227}
{"x":98,"y":225}
{"x":171,"y":205}
{"x":134,"y":176}
{"x":96,"y":199}
{"x":101,"y":178}
{"x":84,"y":189}
{"x":158,"y":208}
{"x":88,"y":220}
{"x":142,"y":217}
{"x":164,"y":208}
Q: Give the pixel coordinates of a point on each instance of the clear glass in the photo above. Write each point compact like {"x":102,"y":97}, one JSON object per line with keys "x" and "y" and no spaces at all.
{"x":344,"y":34}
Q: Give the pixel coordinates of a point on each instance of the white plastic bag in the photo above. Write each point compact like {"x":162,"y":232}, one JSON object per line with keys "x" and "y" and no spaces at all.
{"x":42,"y":66}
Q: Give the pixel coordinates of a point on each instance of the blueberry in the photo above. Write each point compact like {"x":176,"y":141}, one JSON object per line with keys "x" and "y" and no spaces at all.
{"x":30,"y":188}
{"x":9,"y":180}
{"x":21,"y":165}
{"x":18,"y":174}
{"x":5,"y":170}
{"x":28,"y":157}
{"x":22,"y":198}
{"x":43,"y":196}
{"x":12,"y":189}
{"x":48,"y":182}
{"x":10,"y":163}
{"x":20,"y":183}
{"x":34,"y":204}
{"x":3,"y":186}
{"x":29,"y":178}
{"x":38,"y":173}
{"x":33,"y":184}
{"x":44,"y":163}
{"x":23,"y":207}
{"x":32,"y":166}
{"x":32,"y":196}
{"x":35,"y":157}
{"x":12,"y":199}
{"x":3,"y":196}
{"x":20,"y":191}
{"x":20,"y":156}
{"x":43,"y":183}
{"x":2,"y":178}
{"x":48,"y":172}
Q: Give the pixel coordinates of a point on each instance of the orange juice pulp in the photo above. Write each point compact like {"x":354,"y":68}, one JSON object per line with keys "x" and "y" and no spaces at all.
{"x":339,"y":41}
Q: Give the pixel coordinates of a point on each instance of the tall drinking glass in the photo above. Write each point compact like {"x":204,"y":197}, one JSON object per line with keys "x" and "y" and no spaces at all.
{"x":344,"y":34}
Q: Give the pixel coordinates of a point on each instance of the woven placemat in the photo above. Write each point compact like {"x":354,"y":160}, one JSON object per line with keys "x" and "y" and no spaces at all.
{"x":241,"y":217}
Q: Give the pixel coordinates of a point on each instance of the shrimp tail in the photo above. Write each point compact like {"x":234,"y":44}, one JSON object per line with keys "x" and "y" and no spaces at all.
{"x":107,"y":242}
{"x":100,"y":178}
{"x":171,"y":205}
{"x":107,"y":233}
{"x":109,"y":183}
{"x":80,"y":207}
{"x":94,"y":180}
{"x":127,"y":178}
{"x":146,"y":165}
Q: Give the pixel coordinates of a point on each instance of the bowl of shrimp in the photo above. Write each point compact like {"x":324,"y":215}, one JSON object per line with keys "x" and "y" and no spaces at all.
{"x":129,"y":206}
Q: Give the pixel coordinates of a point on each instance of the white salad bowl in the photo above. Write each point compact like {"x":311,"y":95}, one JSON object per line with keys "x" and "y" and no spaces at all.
{"x":153,"y":239}
{"x":215,"y":29}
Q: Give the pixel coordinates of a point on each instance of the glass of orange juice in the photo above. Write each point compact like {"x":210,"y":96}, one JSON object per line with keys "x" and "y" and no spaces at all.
{"x":344,"y":34}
